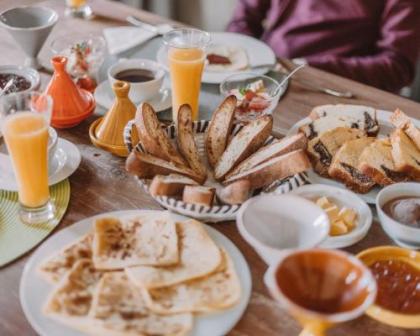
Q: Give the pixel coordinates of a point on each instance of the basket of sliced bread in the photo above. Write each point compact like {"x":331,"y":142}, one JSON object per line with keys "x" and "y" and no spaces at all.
{"x":206,"y":169}
{"x":361,"y":147}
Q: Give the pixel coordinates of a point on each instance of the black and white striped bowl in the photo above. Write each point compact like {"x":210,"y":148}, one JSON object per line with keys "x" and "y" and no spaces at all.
{"x":215,"y":213}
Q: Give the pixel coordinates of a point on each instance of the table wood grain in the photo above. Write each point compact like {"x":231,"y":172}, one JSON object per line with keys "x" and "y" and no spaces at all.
{"x":101,"y":183}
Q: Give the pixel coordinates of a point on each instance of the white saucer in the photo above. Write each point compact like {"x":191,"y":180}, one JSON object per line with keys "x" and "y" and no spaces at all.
{"x":34,"y":290}
{"x":343,"y":198}
{"x":105,"y":97}
{"x":66,"y":160}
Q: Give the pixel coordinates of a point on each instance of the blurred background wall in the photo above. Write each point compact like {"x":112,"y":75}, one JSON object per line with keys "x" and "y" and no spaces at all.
{"x":210,"y":15}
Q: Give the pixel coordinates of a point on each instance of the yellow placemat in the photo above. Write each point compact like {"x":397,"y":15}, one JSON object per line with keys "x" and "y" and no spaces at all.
{"x":16,"y":238}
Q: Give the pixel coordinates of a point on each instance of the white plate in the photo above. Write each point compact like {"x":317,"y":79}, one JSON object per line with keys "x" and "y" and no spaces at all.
{"x":104,"y":96}
{"x":258,"y":53}
{"x":34,"y":290}
{"x":66,"y":160}
{"x":342,"y":198}
{"x":385,"y":129}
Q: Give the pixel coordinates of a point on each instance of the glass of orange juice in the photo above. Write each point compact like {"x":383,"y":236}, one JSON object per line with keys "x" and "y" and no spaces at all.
{"x":186,"y":57}
{"x":78,"y":8}
{"x":24,"y":121}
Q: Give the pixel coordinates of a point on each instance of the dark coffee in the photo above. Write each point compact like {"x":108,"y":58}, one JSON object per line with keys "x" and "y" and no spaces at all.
{"x":135,"y":75}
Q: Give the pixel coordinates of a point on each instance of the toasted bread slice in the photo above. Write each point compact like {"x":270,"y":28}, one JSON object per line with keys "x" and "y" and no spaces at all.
{"x":276,"y":148}
{"x":322,"y":149}
{"x":405,"y":154}
{"x":220,"y":127}
{"x":327,"y":117}
{"x":345,"y":162}
{"x":400,"y":120}
{"x":198,"y":195}
{"x":169,"y":185}
{"x":147,"y":166}
{"x":249,"y":139}
{"x":376,"y":162}
{"x":153,"y":138}
{"x":235,"y":193}
{"x":274,"y":169}
{"x":186,"y":142}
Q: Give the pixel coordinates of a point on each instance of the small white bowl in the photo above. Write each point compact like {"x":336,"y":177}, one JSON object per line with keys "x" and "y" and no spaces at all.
{"x":272,"y":224}
{"x":403,"y":235}
{"x":342,"y":198}
{"x":140,"y":91}
{"x":31,"y":75}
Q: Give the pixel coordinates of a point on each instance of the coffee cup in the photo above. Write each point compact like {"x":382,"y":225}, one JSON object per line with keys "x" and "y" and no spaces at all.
{"x":145,"y":77}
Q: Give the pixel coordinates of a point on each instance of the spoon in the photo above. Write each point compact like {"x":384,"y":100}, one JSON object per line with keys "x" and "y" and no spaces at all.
{"x":6,"y":87}
{"x":291,"y":74}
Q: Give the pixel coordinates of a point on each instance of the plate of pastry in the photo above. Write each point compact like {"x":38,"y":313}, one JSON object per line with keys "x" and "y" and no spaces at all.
{"x":231,"y":53}
{"x":206,"y":169}
{"x":136,"y":272}
{"x":361,"y":148}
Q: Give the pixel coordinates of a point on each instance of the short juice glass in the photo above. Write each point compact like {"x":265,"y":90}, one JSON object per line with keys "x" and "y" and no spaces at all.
{"x":186,"y":57}
{"x":24,"y":121}
{"x":78,"y":8}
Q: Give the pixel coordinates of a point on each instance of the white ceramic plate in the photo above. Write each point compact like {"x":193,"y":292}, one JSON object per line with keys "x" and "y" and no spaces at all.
{"x":258,"y":53}
{"x":343,"y":198}
{"x":66,"y":160}
{"x":105,"y":97}
{"x":34,"y":290}
{"x":385,"y":129}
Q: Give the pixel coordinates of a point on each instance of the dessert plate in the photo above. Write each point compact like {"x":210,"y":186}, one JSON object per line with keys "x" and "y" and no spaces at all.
{"x":105,"y":97}
{"x":34,"y":290}
{"x":385,"y":129}
{"x":258,"y":54}
{"x":66,"y":160}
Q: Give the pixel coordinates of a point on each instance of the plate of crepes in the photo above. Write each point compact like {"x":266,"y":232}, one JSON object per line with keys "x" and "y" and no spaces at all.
{"x":361,"y":148}
{"x":231,"y":53}
{"x":207,"y":169}
{"x":136,"y":273}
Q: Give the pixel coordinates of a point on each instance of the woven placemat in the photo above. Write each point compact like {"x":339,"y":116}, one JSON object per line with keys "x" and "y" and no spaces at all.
{"x":16,"y":238}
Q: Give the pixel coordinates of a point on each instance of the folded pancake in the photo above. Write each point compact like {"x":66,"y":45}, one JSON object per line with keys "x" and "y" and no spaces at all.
{"x":70,"y":302}
{"x":237,"y":56}
{"x":199,"y":256}
{"x":119,"y":309}
{"x":217,"y":291}
{"x":56,"y":266}
{"x":140,"y":240}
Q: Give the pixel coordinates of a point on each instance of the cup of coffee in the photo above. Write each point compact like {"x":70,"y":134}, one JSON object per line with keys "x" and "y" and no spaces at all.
{"x":145,"y":77}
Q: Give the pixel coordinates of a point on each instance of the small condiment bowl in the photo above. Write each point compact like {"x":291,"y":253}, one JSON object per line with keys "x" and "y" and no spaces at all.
{"x":404,"y":235}
{"x":342,"y":198}
{"x":31,"y":75}
{"x":243,"y":79}
{"x":139,"y":91}
{"x":321,"y":287}
{"x":272,"y":224}
{"x":370,"y":256}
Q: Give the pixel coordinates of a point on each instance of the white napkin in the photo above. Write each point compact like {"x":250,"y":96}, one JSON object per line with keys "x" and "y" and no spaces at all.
{"x":120,"y":39}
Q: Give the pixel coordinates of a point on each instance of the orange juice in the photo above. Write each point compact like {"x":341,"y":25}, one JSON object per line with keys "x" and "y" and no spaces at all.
{"x":186,"y":66}
{"x":26,"y":136}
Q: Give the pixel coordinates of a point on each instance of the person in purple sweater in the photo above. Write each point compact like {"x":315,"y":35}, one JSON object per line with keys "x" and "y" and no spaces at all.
{"x":376,"y":42}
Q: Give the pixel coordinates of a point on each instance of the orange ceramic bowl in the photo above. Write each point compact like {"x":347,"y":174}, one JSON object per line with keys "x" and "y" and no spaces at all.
{"x":371,"y":255}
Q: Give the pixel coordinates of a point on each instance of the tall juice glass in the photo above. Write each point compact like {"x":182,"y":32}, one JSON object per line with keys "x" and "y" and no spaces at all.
{"x":186,"y":57}
{"x":24,"y":121}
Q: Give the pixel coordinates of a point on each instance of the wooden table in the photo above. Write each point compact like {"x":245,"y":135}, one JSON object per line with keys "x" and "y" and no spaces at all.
{"x":101,"y":185}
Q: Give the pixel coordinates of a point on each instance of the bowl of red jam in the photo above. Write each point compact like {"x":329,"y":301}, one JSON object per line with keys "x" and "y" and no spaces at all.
{"x":397,"y":274}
